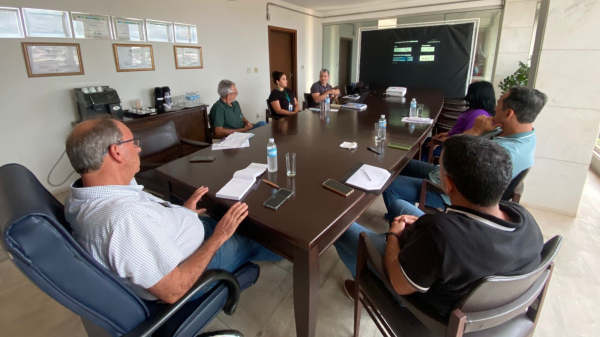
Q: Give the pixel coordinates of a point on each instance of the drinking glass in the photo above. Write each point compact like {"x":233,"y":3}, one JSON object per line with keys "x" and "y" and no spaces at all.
{"x":290,"y":163}
{"x":420,"y":108}
{"x":377,"y":131}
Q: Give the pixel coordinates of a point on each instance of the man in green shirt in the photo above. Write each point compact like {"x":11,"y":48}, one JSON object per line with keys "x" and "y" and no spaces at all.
{"x":226,"y":115}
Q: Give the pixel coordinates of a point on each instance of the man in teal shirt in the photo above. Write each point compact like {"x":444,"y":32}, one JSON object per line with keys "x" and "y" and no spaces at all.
{"x":515,"y":112}
{"x":226,"y":115}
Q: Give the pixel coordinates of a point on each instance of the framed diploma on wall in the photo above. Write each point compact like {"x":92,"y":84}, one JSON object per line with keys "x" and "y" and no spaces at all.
{"x":187,"y":57}
{"x":52,"y":59}
{"x":133,"y":57}
{"x":128,"y":29}
{"x":91,"y":26}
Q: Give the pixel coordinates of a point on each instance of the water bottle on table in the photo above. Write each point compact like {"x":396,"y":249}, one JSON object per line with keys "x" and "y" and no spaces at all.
{"x":327,"y":104}
{"x":413,"y":108}
{"x":382,"y":127}
{"x":272,"y":155}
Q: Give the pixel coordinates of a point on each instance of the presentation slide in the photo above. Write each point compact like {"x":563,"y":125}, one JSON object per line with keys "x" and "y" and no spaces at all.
{"x":426,"y":56}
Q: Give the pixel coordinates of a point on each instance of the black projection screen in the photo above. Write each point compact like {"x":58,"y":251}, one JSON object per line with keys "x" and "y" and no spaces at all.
{"x":434,"y":55}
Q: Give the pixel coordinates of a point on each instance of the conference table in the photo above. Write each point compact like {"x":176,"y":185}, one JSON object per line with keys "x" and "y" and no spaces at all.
{"x":314,"y":217}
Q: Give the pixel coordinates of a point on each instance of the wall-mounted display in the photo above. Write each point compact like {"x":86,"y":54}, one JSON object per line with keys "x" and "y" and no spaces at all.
{"x":185,"y":33}
{"x":91,"y":26}
{"x":187,"y":57}
{"x":46,"y":23}
{"x":128,"y":29}
{"x":159,"y":31}
{"x":10,"y":22}
{"x":133,"y":57}
{"x":52,"y":59}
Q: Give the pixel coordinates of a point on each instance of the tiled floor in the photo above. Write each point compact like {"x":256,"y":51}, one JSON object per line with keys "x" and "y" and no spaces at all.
{"x":266,"y":309}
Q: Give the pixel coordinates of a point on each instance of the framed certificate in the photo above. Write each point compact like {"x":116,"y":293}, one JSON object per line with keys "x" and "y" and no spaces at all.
{"x":10,"y":22}
{"x":133,"y":57}
{"x":52,"y":59}
{"x":127,"y":29}
{"x":91,"y":26}
{"x":185,"y":33}
{"x":46,"y":23}
{"x":188,"y":57}
{"x":159,"y":31}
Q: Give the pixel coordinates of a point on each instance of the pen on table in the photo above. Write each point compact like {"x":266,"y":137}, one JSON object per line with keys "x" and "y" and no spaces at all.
{"x":270,"y":183}
{"x":373,"y":150}
{"x":367,"y":175}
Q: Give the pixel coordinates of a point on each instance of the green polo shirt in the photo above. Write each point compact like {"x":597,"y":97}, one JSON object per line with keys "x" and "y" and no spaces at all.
{"x":225,"y":116}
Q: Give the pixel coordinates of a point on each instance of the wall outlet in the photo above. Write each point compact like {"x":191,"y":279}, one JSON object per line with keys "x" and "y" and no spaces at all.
{"x":249,"y":70}
{"x":256,"y":70}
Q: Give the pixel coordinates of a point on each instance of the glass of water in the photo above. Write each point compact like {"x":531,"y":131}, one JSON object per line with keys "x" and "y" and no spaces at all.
{"x":420,"y":108}
{"x":290,"y":163}
{"x":377,"y":132}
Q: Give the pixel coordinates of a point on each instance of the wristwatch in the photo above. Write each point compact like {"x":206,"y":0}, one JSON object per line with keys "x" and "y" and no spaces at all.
{"x":392,"y":233}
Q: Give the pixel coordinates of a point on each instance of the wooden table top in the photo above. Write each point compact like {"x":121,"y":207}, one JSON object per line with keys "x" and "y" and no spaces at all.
{"x":315,"y":138}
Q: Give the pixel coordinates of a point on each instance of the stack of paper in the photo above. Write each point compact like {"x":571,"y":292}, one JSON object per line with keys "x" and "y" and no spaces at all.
{"x":417,"y":120}
{"x":242,"y":181}
{"x":369,"y":178}
{"x":235,"y":140}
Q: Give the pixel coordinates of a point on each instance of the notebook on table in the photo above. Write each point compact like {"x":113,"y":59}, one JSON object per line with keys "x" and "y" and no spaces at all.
{"x":369,"y":178}
{"x":241,"y":182}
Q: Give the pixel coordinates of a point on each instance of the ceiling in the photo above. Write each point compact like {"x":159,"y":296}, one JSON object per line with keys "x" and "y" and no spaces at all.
{"x":328,"y":5}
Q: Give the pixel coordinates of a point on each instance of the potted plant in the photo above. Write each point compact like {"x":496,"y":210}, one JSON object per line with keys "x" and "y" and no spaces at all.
{"x":518,"y":79}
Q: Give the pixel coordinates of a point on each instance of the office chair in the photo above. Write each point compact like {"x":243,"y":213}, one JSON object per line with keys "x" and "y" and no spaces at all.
{"x":269,"y":113}
{"x":310,"y":102}
{"x":160,"y":144}
{"x":38,"y":240}
{"x":500,"y":306}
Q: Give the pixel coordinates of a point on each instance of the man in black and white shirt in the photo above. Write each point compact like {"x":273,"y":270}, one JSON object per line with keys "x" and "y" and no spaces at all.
{"x":443,"y":256}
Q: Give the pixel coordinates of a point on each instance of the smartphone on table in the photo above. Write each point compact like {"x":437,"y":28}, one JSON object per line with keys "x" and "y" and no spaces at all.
{"x":202,"y":159}
{"x":277,"y":199}
{"x":338,"y":187}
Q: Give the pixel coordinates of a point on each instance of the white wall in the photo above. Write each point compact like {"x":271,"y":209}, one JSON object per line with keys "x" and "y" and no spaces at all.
{"x":37,"y":112}
{"x":568,"y":126}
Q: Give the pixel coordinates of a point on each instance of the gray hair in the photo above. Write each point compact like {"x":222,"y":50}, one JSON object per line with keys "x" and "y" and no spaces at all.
{"x":224,"y":88}
{"x":324,"y":71}
{"x":86,"y":148}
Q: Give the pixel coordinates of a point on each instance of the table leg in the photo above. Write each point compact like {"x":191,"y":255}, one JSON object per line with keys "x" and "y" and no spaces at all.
{"x":306,"y":291}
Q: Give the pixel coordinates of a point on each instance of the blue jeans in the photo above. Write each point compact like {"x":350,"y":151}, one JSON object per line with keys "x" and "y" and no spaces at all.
{"x":234,"y":252}
{"x":425,"y":150}
{"x":402,"y":194}
{"x":259,"y":124}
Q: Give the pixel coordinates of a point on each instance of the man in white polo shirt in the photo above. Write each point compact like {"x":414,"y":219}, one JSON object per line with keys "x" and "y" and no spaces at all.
{"x":158,"y":249}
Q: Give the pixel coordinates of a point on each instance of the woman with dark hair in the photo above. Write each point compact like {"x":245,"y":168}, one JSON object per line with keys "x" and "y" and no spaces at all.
{"x":481,"y":100}
{"x":282,"y":101}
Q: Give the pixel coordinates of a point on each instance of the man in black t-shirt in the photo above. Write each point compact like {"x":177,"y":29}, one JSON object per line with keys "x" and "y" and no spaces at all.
{"x":441,"y":257}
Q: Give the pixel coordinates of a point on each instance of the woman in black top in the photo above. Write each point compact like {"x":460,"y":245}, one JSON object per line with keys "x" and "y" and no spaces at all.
{"x":282,"y":100}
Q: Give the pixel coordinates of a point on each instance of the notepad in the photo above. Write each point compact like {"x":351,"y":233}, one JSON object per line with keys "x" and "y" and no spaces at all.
{"x":241,"y":182}
{"x":235,"y":140}
{"x":354,"y":106}
{"x":369,"y":178}
{"x":417,"y":120}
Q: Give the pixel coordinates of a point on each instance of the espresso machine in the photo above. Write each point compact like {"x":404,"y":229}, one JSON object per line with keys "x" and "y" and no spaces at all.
{"x":92,"y":101}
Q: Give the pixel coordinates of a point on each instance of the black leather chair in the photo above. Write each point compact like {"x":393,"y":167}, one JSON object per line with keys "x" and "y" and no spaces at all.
{"x":156,"y":140}
{"x":498,"y":306}
{"x":269,"y":113}
{"x":38,"y":241}
{"x":309,"y":101}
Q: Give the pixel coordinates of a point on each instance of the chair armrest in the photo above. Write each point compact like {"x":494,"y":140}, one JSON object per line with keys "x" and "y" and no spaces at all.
{"x":146,"y":328}
{"x":428,"y":185}
{"x":195,"y":143}
{"x":449,"y":116}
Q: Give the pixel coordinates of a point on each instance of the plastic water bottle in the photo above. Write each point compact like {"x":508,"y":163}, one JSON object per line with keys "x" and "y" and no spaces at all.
{"x":272,"y":155}
{"x":327,"y":104}
{"x":413,"y":108}
{"x":382,"y":127}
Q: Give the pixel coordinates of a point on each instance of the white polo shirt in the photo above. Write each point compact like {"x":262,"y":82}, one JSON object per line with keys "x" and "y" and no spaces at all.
{"x":137,"y":236}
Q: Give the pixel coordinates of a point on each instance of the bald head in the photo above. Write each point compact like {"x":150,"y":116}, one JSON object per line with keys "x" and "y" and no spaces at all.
{"x":88,"y":142}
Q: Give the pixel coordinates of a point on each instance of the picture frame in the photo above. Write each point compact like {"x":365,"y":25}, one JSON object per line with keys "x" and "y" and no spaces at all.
{"x":188,"y":57}
{"x":46,"y":23}
{"x":11,"y":23}
{"x":185,"y":33}
{"x":91,"y":26}
{"x":133,"y":57}
{"x":43,"y":59}
{"x":128,"y":29}
{"x":159,"y":31}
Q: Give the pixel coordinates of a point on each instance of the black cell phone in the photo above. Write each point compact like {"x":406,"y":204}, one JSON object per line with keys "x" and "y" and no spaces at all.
{"x":201,"y":159}
{"x":338,"y":187}
{"x":278,"y":198}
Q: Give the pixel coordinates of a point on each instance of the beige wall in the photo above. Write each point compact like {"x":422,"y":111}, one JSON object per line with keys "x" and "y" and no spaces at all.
{"x":567,"y":128}
{"x":37,"y":113}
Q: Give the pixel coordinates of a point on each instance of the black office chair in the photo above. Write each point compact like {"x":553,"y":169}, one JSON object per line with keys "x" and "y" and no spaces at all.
{"x":310,"y":102}
{"x":38,"y":241}
{"x":498,"y":306}
{"x":162,"y":144}
{"x":270,"y":114}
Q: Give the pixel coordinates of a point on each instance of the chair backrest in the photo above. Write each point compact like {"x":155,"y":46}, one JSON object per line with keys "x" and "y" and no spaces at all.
{"x":310,"y":102}
{"x":270,"y":110}
{"x":156,"y":139}
{"x":510,"y":295}
{"x":37,"y":237}
{"x":510,"y":190}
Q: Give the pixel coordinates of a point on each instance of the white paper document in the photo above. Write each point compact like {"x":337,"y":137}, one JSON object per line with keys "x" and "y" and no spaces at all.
{"x":417,"y":120}
{"x":241,"y":182}
{"x":369,"y":178}
{"x":235,"y":140}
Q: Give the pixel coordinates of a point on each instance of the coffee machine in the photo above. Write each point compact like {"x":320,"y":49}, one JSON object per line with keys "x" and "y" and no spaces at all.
{"x":92,"y":101}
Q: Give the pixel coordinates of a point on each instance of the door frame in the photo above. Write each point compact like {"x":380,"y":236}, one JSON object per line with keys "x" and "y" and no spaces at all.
{"x":294,"y":53}
{"x":351,"y":40}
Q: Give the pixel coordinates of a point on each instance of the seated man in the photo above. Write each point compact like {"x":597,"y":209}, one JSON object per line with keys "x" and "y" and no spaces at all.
{"x":442,"y":256}
{"x":515,"y":112}
{"x":226,"y":115}
{"x":158,"y":249}
{"x":321,"y":90}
